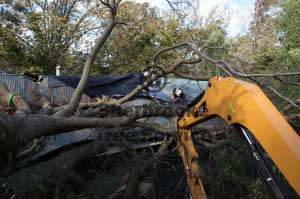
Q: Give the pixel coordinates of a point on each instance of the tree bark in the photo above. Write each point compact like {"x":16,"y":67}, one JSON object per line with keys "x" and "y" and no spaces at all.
{"x":15,"y":131}
{"x":17,"y":100}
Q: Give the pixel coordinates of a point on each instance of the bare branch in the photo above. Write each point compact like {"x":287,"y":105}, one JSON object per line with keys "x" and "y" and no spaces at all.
{"x":69,"y":110}
{"x":227,"y":68}
{"x":289,"y":106}
{"x":177,"y":46}
{"x":295,"y":117}
{"x":286,"y":82}
{"x":283,"y":97}
{"x":277,"y":93}
{"x":213,"y":145}
{"x":192,"y":77}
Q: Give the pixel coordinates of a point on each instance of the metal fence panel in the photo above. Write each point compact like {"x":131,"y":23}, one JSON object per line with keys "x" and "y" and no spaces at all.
{"x":57,"y":92}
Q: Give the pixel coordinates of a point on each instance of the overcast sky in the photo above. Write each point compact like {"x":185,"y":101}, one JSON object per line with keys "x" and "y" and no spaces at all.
{"x":239,"y":11}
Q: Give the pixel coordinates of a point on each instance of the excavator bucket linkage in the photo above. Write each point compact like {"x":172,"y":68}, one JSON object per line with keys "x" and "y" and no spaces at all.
{"x":242,"y":103}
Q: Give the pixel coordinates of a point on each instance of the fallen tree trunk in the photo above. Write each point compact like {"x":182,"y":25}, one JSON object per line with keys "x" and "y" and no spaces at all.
{"x":17,"y":130}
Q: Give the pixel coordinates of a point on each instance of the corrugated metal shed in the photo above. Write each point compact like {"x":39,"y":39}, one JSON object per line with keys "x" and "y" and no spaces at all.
{"x":58,"y":92}
{"x":51,"y":88}
{"x":21,"y":85}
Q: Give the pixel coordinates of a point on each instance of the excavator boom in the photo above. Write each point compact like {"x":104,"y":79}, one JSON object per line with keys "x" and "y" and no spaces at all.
{"x":242,"y":103}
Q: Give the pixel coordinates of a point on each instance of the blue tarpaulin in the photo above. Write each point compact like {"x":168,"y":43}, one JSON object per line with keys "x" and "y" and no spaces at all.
{"x":112,"y":85}
{"x":121,"y":84}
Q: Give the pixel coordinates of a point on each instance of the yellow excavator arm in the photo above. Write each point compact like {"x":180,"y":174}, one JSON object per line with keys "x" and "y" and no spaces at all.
{"x":244,"y":104}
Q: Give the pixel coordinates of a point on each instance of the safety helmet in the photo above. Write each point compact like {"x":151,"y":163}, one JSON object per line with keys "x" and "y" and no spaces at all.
{"x":178,"y":92}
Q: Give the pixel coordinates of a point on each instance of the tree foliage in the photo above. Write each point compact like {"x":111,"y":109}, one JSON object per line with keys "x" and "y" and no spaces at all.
{"x":44,"y":34}
{"x":47,"y":32}
{"x":288,"y":26}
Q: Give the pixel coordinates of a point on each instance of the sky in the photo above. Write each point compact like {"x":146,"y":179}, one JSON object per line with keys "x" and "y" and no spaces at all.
{"x":239,"y":12}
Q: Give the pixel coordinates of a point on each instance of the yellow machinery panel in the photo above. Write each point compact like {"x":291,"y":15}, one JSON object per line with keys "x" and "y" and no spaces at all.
{"x":240,"y":102}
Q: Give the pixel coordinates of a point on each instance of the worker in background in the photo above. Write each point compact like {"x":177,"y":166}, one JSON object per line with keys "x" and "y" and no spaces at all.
{"x":178,"y":96}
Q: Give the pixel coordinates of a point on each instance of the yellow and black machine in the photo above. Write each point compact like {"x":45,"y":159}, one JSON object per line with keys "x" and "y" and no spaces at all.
{"x":244,"y":105}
